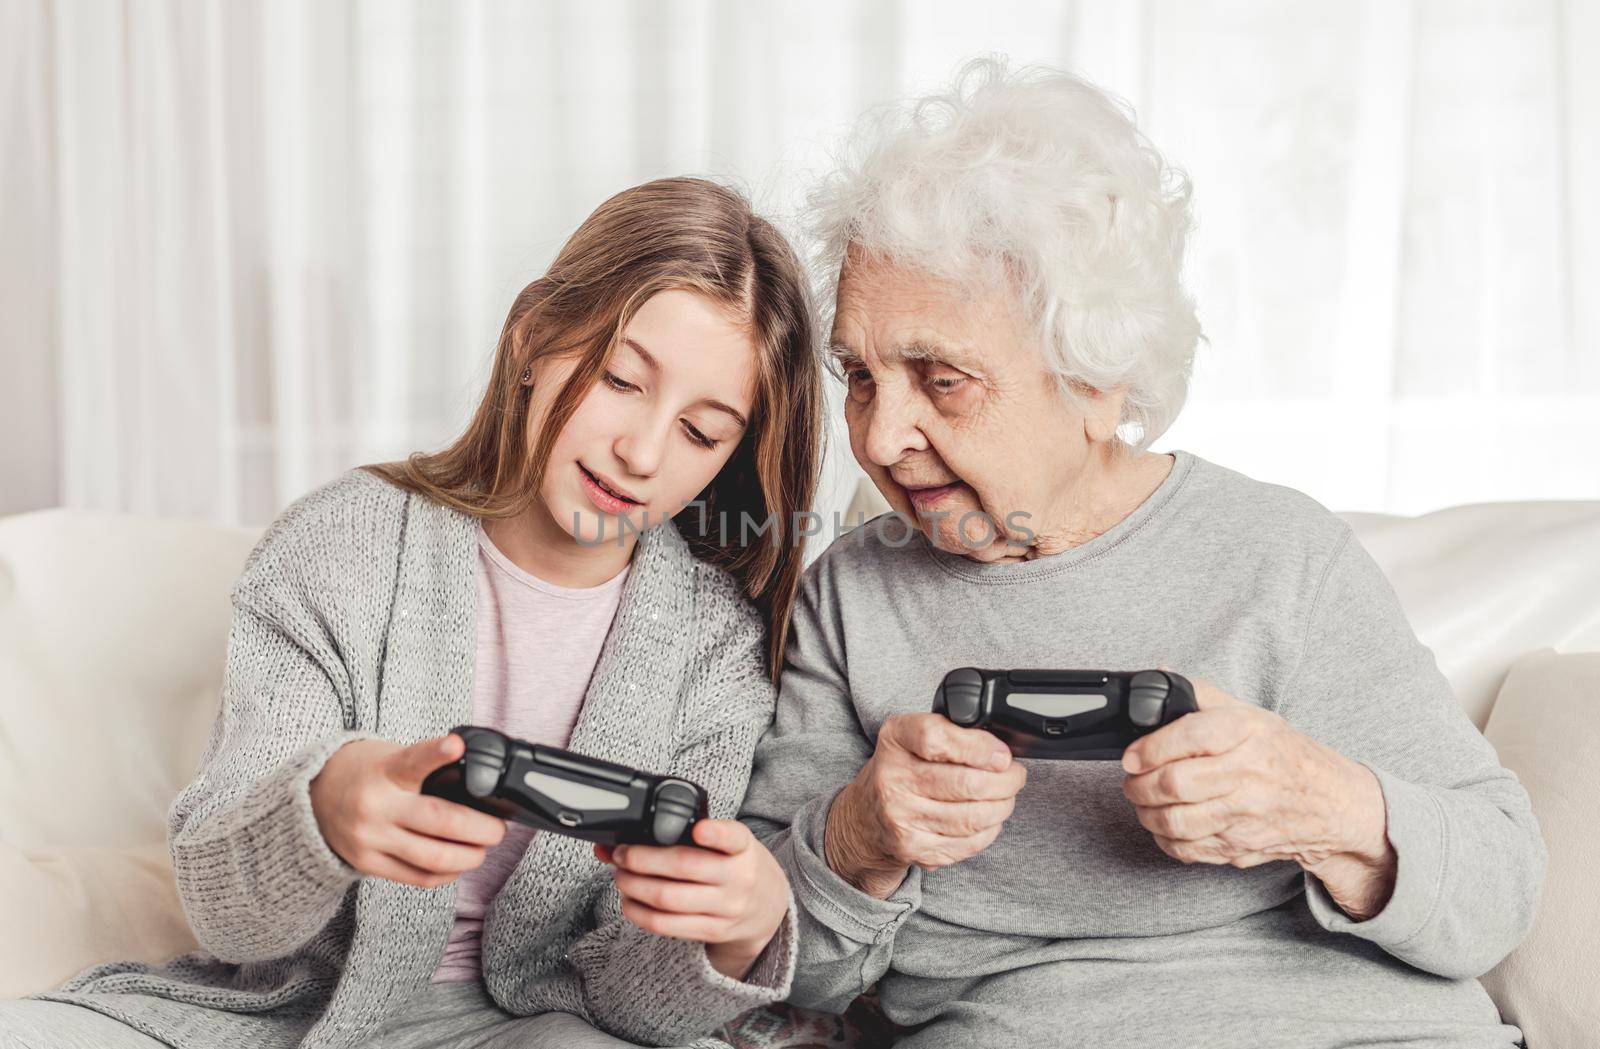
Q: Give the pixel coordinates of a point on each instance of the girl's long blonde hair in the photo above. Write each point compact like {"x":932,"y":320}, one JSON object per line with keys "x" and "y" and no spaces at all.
{"x":676,"y":233}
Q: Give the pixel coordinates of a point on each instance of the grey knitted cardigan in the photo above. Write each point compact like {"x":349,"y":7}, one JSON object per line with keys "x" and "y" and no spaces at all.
{"x":354,"y":619}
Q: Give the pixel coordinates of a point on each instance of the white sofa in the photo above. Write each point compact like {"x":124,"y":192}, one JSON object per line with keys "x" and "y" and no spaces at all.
{"x":113,"y":630}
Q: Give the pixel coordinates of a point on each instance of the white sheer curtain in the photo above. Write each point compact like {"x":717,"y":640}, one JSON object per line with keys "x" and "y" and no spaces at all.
{"x":247,"y":245}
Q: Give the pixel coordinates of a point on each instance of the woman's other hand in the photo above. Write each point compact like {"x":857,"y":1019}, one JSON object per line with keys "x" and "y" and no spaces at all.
{"x":1235,"y":784}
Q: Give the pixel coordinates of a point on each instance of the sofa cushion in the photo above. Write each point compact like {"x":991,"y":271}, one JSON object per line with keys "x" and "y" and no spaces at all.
{"x":1484,"y":584}
{"x":113,"y":630}
{"x":70,"y":908}
{"x":1546,"y":727}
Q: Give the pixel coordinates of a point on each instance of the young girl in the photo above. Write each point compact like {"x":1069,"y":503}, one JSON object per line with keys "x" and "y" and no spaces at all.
{"x":560,"y":573}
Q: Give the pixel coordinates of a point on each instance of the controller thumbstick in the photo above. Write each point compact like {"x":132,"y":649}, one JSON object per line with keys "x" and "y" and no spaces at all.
{"x":675,"y":807}
{"x":482,"y":775}
{"x":668,"y":825}
{"x":1147,"y":698}
{"x":961,"y":696}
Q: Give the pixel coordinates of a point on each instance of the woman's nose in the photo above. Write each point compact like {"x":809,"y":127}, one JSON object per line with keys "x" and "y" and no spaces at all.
{"x":892,"y":430}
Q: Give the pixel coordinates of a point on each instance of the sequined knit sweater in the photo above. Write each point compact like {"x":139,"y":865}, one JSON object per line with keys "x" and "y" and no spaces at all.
{"x":353,"y":619}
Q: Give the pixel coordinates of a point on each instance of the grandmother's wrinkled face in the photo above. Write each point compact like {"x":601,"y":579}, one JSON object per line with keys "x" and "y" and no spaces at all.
{"x":953,"y":414}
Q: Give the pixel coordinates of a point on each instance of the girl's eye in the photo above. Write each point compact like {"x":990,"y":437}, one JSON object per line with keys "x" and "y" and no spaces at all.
{"x":697,"y":437}
{"x":615,"y":383}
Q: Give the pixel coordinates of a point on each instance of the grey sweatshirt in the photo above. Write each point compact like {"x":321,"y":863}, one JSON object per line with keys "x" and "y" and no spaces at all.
{"x":353,"y":619}
{"x":1073,"y":928}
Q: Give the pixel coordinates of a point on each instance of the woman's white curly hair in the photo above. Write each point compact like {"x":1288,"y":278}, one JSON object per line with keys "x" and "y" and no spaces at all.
{"x":1041,"y":177}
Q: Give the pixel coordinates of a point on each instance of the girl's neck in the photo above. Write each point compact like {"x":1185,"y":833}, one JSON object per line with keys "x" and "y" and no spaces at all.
{"x":535,"y":543}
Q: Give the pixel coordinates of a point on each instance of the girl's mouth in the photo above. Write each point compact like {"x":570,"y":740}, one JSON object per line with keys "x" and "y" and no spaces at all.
{"x":603,"y":496}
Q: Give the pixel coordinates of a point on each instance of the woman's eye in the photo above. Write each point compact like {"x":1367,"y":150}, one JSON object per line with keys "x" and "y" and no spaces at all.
{"x":859,"y":382}
{"x":942,"y":379}
{"x":697,"y":437}
{"x":611,"y":380}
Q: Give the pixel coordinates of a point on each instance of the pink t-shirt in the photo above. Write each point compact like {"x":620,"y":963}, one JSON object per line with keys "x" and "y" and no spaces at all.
{"x":537,"y":648}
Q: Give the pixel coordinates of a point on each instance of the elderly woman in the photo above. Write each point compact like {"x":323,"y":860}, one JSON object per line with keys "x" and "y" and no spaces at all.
{"x":1326,"y":854}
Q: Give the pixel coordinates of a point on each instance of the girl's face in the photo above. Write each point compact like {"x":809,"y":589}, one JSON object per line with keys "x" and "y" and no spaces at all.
{"x":665,"y":416}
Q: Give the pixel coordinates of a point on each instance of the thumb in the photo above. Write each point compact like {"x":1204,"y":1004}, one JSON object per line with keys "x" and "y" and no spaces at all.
{"x":1206,"y":695}
{"x":725,"y":836}
{"x":411,"y":765}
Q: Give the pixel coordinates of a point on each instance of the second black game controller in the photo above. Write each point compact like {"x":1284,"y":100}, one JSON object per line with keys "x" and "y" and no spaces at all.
{"x":1086,"y":715}
{"x":557,"y":790}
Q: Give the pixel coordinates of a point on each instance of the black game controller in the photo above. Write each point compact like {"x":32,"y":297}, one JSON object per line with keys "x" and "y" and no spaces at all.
{"x":567,"y":793}
{"x":1085,"y":715}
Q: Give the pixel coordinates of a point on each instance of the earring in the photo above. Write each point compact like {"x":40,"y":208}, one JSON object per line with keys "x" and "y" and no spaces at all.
{"x":527,"y":375}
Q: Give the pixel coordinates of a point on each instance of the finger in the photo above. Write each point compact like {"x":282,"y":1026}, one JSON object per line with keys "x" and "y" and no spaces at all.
{"x":409,"y":766}
{"x":681,"y":862}
{"x":700,"y":927}
{"x":676,"y":897}
{"x":1187,"y":822}
{"x":934,"y":737}
{"x":1195,"y":735}
{"x":960,"y":819}
{"x":438,"y":818}
{"x":729,"y":837}
{"x":1188,"y":780}
{"x":1209,"y":697}
{"x":932,"y":851}
{"x":432,"y":854}
{"x":383,"y":865}
{"x":1213,"y":851}
{"x":942,"y":782}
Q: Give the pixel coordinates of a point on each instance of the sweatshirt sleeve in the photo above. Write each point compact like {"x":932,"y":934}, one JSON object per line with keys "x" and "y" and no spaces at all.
{"x":815,"y":746}
{"x":255,"y":876}
{"x":1470,"y":858}
{"x":656,"y":989}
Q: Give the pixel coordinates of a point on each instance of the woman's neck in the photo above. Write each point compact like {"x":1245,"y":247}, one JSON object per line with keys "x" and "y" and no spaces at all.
{"x":535,"y":543}
{"x":1107,"y":493}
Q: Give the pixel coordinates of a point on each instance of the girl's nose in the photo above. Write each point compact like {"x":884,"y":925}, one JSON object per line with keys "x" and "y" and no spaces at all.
{"x":642,"y":450}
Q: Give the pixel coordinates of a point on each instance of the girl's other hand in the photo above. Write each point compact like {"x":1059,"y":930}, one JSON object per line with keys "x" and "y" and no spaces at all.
{"x":368,"y":803}
{"x":729,"y":894}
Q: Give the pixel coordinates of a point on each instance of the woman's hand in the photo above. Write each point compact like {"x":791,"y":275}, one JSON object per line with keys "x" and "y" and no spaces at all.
{"x":730,"y":894}
{"x":368,"y":806}
{"x":1235,"y":784}
{"x":932,"y":794}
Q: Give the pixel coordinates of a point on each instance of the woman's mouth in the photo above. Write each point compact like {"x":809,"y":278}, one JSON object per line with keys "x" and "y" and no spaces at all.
{"x":603,"y":496}
{"x":926,"y":497}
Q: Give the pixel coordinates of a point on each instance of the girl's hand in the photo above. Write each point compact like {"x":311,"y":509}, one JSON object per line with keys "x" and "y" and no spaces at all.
{"x":731,"y":895}
{"x":369,"y":807}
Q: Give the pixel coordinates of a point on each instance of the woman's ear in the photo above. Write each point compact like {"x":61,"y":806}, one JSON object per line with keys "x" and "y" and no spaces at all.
{"x":1102,"y":410}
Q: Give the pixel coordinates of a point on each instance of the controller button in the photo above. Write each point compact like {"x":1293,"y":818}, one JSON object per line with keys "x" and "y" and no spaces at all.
{"x":482,"y":741}
{"x":568,"y":818}
{"x":676,"y":792}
